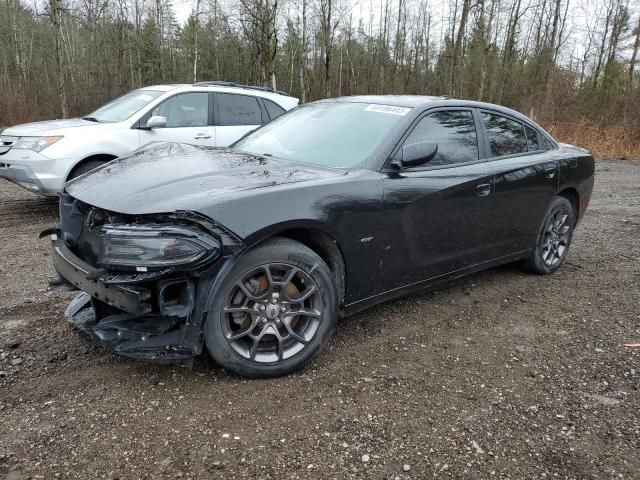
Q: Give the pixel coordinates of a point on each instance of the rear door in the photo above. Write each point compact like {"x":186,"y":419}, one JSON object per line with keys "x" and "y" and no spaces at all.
{"x":236,"y":115}
{"x":526,"y":179}
{"x":440,"y":211}
{"x":189,"y":120}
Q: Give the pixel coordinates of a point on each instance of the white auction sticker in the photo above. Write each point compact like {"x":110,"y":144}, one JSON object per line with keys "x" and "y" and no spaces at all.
{"x":390,"y":109}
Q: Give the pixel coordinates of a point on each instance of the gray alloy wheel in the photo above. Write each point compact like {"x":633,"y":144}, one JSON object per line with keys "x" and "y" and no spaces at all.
{"x":273,"y":312}
{"x":554,"y":238}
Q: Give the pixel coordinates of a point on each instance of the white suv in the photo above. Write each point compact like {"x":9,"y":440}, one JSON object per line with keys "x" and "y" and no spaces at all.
{"x":42,"y":156}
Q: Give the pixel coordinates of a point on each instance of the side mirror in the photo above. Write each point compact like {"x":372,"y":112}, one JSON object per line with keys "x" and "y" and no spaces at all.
{"x":416,"y":154}
{"x":156,"y":122}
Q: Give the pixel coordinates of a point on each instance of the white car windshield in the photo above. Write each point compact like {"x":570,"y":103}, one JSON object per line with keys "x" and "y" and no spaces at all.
{"x":123,"y":107}
{"x":328,"y":134}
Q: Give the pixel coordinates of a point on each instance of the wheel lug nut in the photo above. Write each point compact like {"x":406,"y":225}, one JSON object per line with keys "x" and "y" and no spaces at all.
{"x":264,"y":320}
{"x":262,"y":307}
{"x":277,"y":321}
{"x":283,"y":309}
{"x":274,"y":301}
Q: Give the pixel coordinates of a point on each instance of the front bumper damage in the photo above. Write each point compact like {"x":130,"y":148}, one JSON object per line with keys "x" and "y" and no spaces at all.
{"x":150,"y":337}
{"x":155,"y":315}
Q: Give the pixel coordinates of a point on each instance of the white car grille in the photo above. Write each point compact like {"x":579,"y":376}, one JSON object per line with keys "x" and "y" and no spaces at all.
{"x":5,"y":143}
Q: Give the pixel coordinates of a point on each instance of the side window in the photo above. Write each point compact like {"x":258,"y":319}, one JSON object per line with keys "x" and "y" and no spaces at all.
{"x":533,"y":141}
{"x":506,"y":136}
{"x":547,"y":144}
{"x":455,"y":133}
{"x":185,"y":110}
{"x":273,"y":109}
{"x":238,"y":109}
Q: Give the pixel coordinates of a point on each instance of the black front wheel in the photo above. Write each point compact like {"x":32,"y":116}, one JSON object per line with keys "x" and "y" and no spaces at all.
{"x":274,"y":311}
{"x":554,"y":238}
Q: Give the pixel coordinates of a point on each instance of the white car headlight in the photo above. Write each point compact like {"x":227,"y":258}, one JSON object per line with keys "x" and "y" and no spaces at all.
{"x":37,"y":144}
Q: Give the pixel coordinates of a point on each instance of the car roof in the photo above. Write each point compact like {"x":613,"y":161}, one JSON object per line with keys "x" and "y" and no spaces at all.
{"x":215,"y":86}
{"x":393,"y":100}
{"x":281,"y":98}
{"x":425,"y":101}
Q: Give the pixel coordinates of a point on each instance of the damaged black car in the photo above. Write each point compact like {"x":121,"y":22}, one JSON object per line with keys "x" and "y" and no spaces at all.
{"x":252,"y":253}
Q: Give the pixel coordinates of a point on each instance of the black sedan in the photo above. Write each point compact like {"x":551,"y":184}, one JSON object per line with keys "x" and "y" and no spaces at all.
{"x":255,"y":251}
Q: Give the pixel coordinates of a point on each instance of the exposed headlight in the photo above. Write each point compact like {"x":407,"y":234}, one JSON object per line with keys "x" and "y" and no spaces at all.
{"x":37,"y":144}
{"x":155,"y":245}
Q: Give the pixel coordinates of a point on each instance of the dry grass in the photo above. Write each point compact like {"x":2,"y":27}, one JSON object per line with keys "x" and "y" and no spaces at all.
{"x":612,"y":142}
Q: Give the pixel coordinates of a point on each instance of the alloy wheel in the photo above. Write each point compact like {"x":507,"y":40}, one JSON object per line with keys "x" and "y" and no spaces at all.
{"x":556,"y":237}
{"x":272,"y":312}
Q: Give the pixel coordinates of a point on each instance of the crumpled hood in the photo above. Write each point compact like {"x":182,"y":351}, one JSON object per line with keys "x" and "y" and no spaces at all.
{"x":165,"y":177}
{"x":41,"y":128}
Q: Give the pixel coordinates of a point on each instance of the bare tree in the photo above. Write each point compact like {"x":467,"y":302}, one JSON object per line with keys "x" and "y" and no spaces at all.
{"x":634,"y":55}
{"x":55,"y":14}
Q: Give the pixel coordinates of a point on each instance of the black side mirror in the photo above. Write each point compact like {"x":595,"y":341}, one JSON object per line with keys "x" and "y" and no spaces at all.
{"x":416,"y":154}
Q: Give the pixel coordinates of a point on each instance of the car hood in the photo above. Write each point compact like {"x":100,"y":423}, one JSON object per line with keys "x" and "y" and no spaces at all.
{"x":166,"y":177}
{"x":40,"y":128}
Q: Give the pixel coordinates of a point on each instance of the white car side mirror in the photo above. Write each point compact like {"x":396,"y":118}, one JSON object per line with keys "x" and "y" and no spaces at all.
{"x":157,"y":122}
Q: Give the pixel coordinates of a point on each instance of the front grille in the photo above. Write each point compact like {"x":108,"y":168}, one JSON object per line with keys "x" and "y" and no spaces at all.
{"x":6,"y":142}
{"x":88,"y":243}
{"x":80,"y":226}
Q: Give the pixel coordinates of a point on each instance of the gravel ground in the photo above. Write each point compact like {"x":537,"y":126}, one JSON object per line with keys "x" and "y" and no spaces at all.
{"x":503,"y":374}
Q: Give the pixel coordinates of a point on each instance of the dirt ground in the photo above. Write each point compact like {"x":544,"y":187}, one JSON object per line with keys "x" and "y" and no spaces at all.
{"x":501,"y":375}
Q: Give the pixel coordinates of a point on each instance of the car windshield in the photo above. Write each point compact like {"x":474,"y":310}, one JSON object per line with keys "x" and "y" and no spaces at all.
{"x":328,"y":134}
{"x":123,"y":107}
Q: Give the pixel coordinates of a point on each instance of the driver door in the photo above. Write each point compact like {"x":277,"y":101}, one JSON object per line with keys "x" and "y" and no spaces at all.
{"x":442,"y":209}
{"x":189,"y":120}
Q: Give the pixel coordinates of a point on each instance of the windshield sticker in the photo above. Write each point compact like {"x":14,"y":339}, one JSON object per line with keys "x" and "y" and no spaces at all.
{"x":389,"y":109}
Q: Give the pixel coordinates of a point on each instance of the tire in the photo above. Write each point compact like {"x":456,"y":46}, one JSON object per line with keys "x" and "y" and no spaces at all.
{"x":554,"y":238}
{"x":85,"y":168}
{"x":248,"y":332}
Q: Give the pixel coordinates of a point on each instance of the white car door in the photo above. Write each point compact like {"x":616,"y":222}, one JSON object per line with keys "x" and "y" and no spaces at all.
{"x":236,"y":116}
{"x":188,"y":121}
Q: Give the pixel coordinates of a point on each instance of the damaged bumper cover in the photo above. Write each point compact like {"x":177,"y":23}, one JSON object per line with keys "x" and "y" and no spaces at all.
{"x":152,"y":338}
{"x":133,"y":331}
{"x":81,"y":275}
{"x":155,"y":315}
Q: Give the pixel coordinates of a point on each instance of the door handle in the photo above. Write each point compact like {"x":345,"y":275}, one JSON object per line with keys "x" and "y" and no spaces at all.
{"x":483,"y":189}
{"x":201,"y":136}
{"x":550,"y":170}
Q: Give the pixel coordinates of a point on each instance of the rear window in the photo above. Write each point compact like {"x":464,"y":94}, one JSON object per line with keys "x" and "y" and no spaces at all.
{"x":506,"y":136}
{"x":273,"y":109}
{"x":238,"y":109}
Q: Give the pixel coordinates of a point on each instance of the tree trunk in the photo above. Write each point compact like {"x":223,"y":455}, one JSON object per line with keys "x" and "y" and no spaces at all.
{"x":596,"y":73}
{"x":457,"y":47}
{"x":303,"y":59}
{"x":56,"y":20}
{"x":634,"y":55}
{"x":196,"y":23}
